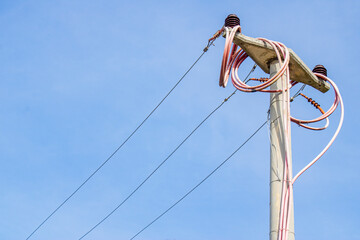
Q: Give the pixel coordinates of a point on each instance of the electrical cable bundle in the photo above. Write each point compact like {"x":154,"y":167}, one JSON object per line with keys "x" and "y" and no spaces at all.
{"x":232,"y":59}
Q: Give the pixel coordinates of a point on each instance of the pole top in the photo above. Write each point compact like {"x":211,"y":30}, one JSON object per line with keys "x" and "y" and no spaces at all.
{"x":262,"y":54}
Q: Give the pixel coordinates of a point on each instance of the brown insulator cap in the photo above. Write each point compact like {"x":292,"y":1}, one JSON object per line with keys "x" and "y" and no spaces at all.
{"x":232,"y":20}
{"x":320,"y":69}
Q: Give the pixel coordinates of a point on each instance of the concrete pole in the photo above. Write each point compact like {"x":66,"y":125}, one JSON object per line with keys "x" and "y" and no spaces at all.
{"x":277,"y":152}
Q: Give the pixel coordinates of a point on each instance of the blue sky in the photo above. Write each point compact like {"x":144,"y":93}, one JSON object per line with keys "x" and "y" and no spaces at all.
{"x":78,"y":76}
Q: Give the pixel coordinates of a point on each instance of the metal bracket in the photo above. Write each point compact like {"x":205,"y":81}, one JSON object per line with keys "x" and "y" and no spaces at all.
{"x":262,"y":54}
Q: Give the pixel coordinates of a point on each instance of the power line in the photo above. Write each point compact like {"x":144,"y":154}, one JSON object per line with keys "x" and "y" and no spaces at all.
{"x":157,"y":168}
{"x":202,"y":181}
{"x":123,"y":143}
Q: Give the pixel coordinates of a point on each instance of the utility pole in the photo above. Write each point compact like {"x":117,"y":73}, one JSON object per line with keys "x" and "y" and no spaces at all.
{"x":264,"y":56}
{"x":277,"y":155}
